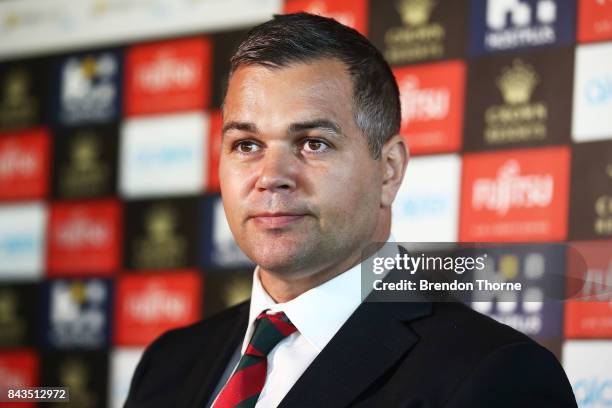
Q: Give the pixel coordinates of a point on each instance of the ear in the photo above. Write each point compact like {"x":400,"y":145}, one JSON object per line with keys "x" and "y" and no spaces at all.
{"x":394,"y":159}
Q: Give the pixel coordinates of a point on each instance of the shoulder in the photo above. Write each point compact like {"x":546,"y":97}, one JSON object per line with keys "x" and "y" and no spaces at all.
{"x":474,"y":359}
{"x":467,"y":328}
{"x":180,"y":340}
{"x":168,"y":359}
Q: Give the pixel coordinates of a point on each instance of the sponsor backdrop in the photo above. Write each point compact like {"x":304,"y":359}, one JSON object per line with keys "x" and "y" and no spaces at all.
{"x":112,"y":229}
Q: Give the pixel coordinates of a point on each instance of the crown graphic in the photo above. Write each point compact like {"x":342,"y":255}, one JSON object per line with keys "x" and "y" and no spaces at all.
{"x":16,"y":86}
{"x":160,"y":221}
{"x":416,"y":12}
{"x":78,"y":292}
{"x":517,"y":82}
{"x":84,"y":150}
{"x":89,"y":66}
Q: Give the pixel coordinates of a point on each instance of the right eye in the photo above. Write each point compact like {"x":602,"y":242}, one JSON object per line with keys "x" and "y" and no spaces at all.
{"x":246,"y":147}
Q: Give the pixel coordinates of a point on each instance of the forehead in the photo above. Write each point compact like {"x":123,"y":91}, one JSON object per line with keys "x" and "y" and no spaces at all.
{"x":318,"y":88}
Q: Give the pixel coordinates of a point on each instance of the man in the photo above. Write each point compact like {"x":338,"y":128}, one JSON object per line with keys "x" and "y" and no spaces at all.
{"x":311,"y":162}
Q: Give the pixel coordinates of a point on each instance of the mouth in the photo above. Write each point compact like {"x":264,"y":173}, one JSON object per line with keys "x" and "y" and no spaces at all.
{"x":276,"y":220}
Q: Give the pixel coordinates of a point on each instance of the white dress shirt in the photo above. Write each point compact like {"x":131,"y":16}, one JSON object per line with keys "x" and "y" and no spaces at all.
{"x":317,"y":314}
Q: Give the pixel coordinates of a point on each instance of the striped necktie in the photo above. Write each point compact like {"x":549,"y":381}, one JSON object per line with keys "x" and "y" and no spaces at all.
{"x":244,"y":386}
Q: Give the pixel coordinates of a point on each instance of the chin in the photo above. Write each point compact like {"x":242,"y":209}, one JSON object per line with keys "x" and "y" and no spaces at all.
{"x":280,"y":258}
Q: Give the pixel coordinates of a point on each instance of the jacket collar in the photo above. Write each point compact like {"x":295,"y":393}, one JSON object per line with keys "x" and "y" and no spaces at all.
{"x":368,"y":345}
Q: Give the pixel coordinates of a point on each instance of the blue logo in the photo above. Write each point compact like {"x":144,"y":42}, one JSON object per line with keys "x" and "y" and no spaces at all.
{"x":220,"y":250}
{"x":540,"y":269}
{"x":165,"y":156}
{"x":18,"y":245}
{"x":593,"y":392}
{"x":77,"y":313}
{"x":88,"y":88}
{"x":425,"y":206}
{"x":598,"y":91}
{"x":501,"y":25}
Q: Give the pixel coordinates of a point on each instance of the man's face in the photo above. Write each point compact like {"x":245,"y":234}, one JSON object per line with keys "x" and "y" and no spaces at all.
{"x":300,"y":187}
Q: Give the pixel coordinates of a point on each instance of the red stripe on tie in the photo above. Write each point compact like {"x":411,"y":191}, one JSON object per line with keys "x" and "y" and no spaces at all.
{"x":244,"y":384}
{"x":282,"y":326}
{"x":252,"y":351}
{"x":247,"y":383}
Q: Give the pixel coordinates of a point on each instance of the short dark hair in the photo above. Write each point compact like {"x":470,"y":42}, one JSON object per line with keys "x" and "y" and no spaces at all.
{"x":302,"y":38}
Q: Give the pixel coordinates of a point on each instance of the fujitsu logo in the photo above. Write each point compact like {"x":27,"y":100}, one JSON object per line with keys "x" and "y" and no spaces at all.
{"x":17,"y":162}
{"x":13,"y":377}
{"x":511,"y":190}
{"x":83,"y":232}
{"x":157,"y":303}
{"x":166,"y":73}
{"x":422,"y":104}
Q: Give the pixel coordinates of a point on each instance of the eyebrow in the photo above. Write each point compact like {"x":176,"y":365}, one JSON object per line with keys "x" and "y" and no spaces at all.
{"x":244,"y":126}
{"x":317,"y":124}
{"x":299,"y":127}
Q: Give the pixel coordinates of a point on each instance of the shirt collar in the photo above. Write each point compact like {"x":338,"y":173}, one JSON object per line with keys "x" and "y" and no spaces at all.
{"x":317,"y":313}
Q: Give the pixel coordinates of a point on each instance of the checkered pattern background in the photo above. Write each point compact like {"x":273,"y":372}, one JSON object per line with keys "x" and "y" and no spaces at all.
{"x":112,"y":229}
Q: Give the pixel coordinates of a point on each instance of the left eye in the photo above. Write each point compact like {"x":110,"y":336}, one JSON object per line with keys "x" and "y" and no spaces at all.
{"x":315,"y":146}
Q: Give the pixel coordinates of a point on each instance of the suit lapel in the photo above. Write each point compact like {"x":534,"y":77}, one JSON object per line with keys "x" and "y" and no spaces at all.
{"x":366,"y":346}
{"x":201,"y":381}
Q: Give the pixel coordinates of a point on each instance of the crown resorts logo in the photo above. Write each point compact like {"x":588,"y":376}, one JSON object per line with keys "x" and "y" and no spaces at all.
{"x":17,"y":106}
{"x":517,"y":82}
{"x":519,"y":119}
{"x":74,"y":374}
{"x":236,"y":290}
{"x":521,"y":310}
{"x":516,"y":23}
{"x":415,"y":12}
{"x":85,"y":174}
{"x":603,"y":209}
{"x":162,"y":247}
{"x":511,"y":190}
{"x":418,"y":38}
{"x":12,"y":326}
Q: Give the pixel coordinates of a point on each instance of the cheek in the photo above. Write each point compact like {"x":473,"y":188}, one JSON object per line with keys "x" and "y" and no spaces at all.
{"x":231,"y":185}
{"x":348,"y":194}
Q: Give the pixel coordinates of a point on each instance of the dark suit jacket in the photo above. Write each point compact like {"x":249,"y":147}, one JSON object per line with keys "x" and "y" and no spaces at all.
{"x":386,"y":355}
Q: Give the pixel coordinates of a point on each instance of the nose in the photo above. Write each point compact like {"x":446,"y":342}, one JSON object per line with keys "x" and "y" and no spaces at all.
{"x":278,"y":170}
